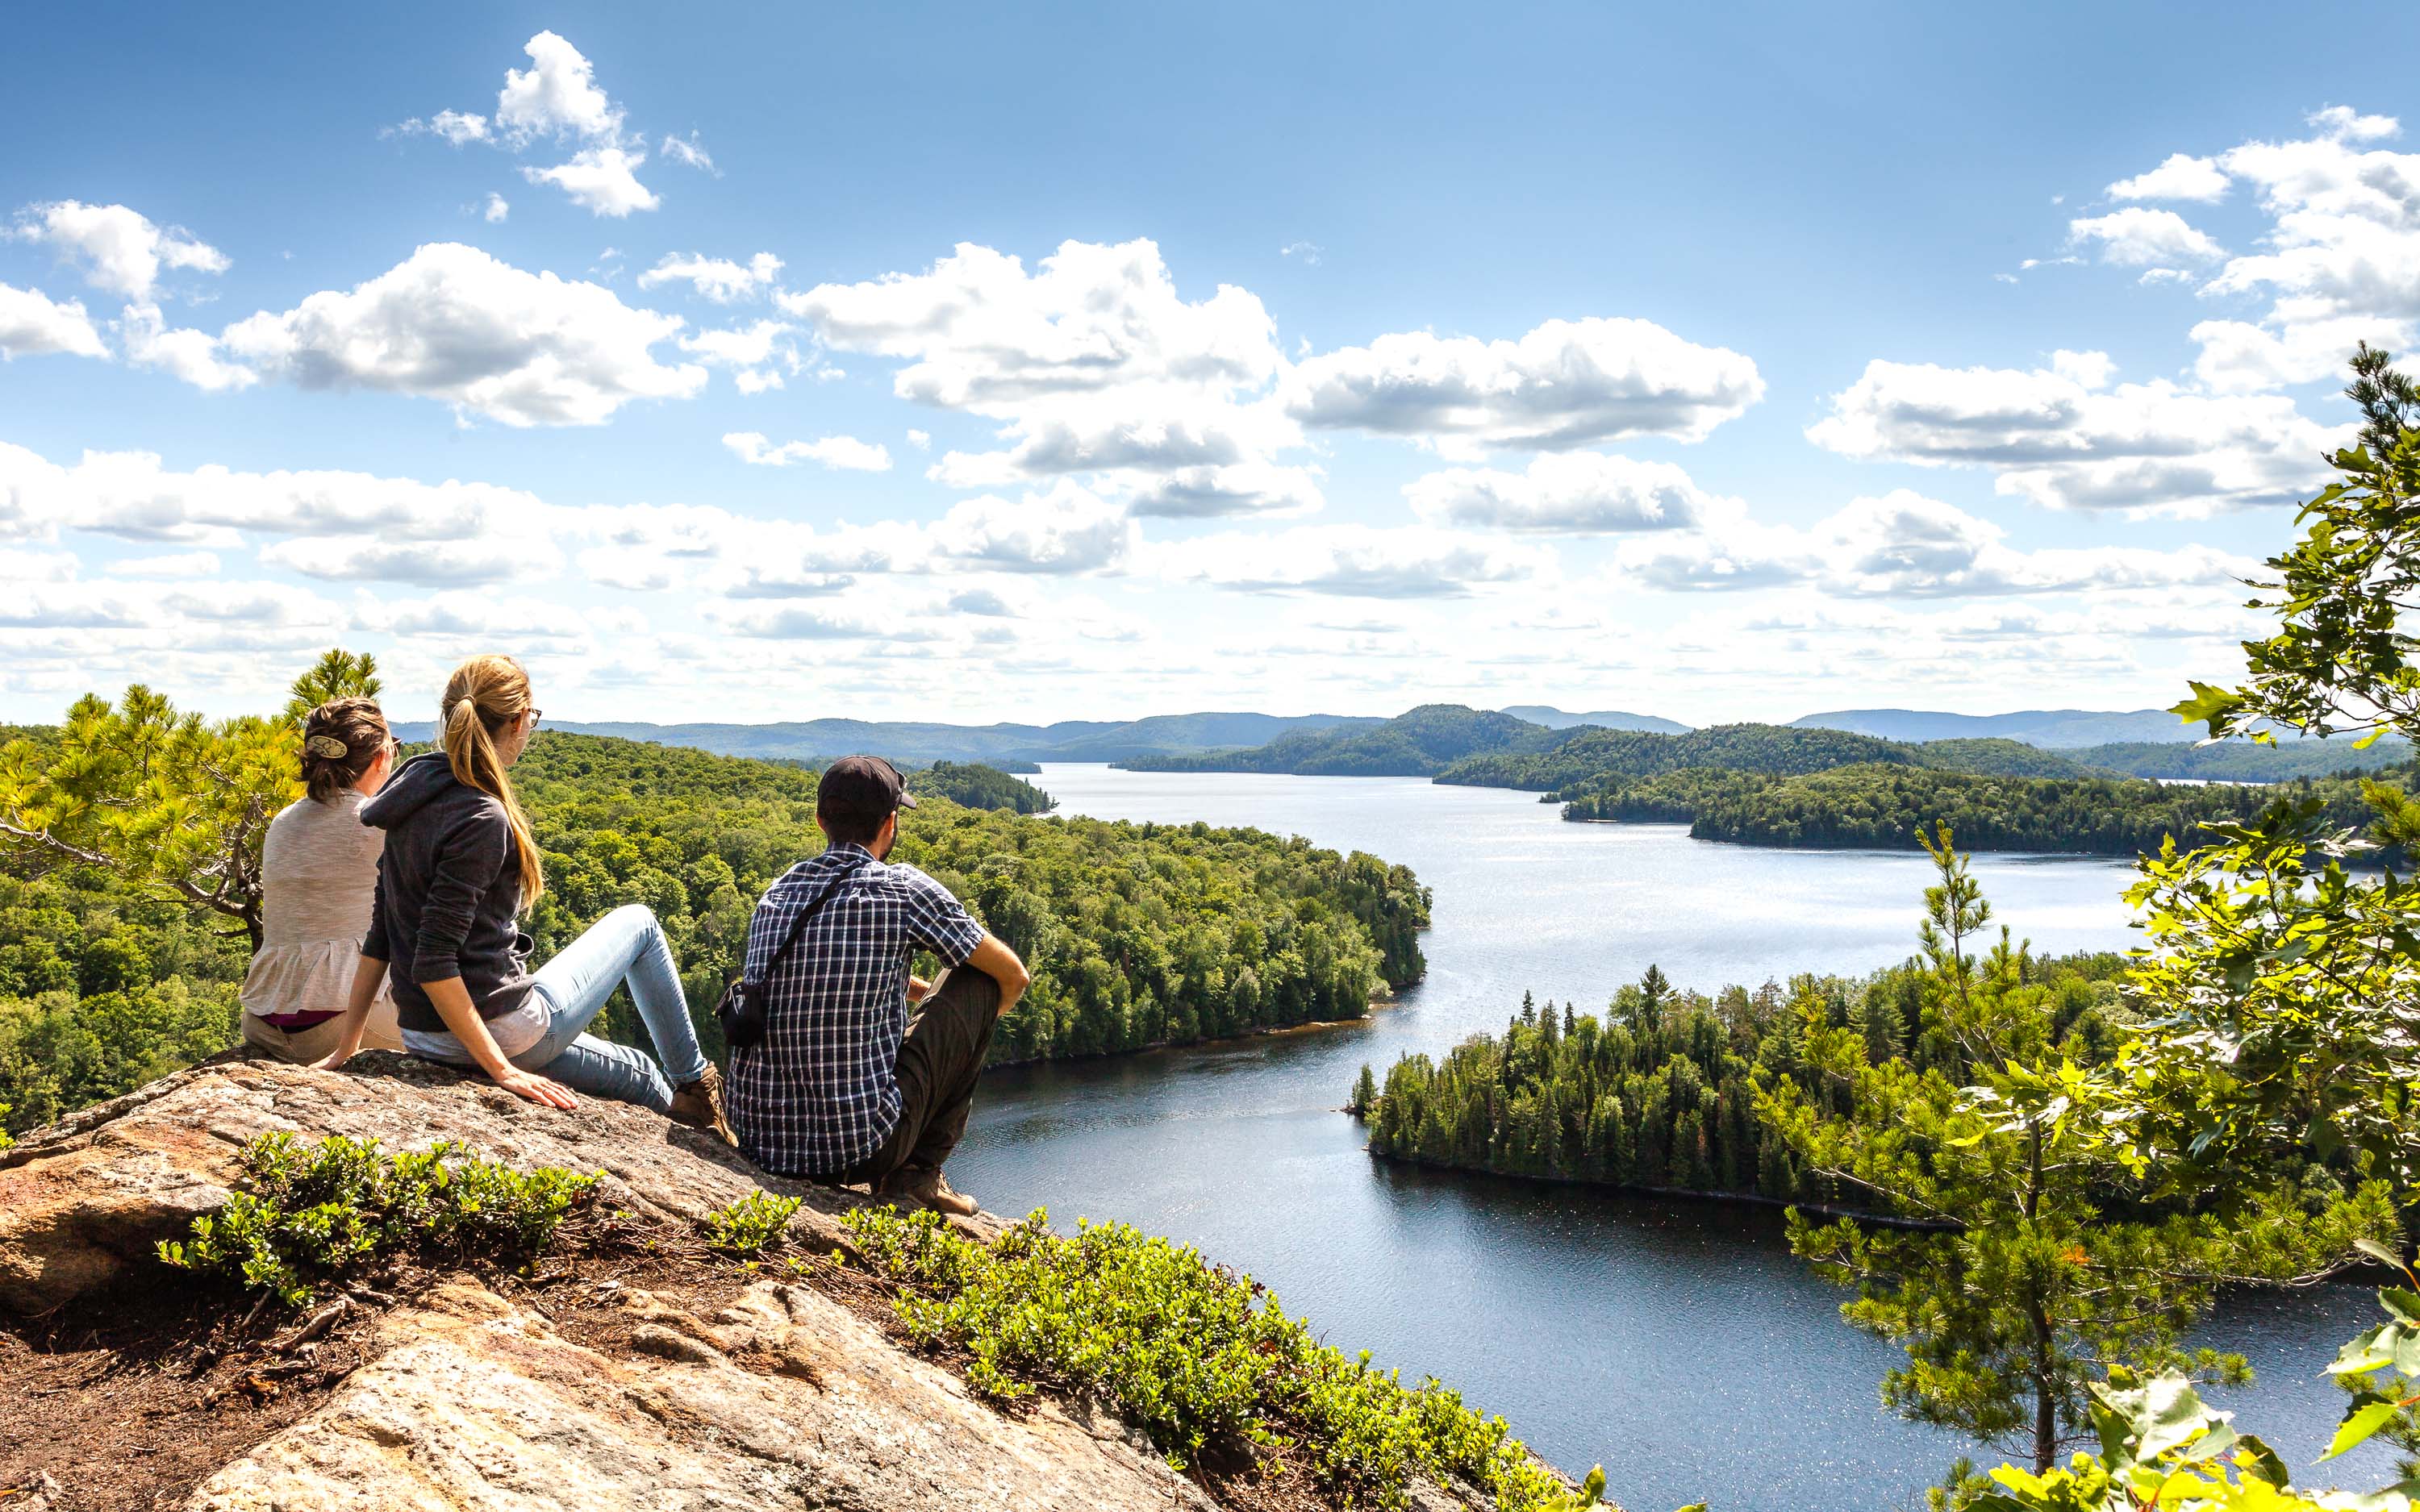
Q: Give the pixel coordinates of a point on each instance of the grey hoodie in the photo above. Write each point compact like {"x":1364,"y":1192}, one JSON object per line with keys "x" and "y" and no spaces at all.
{"x":449,"y":887}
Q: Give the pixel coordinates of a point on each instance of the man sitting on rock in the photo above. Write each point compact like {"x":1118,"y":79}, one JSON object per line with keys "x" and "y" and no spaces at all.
{"x":844,"y":1086}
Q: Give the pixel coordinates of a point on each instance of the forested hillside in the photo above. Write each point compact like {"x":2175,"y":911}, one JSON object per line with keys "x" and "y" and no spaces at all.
{"x":2240,"y":761}
{"x":1883,"y":806}
{"x":1990,"y":756}
{"x":1136,"y":934}
{"x":1602,"y":755}
{"x":1418,"y":743}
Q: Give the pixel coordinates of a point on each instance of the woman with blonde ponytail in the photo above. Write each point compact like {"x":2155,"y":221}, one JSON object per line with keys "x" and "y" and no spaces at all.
{"x":458,"y":865}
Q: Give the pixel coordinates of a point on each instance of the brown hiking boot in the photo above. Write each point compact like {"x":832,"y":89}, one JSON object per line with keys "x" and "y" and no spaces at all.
{"x":699,"y":1105}
{"x":928,"y":1185}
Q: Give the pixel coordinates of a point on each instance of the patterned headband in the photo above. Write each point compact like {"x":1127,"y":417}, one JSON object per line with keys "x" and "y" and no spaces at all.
{"x":327,"y":746}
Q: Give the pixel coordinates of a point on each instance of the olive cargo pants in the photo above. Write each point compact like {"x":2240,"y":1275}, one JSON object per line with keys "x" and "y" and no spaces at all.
{"x":940,"y":1062}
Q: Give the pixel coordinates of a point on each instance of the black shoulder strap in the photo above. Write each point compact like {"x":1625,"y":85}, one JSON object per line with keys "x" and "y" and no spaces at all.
{"x":798,"y":924}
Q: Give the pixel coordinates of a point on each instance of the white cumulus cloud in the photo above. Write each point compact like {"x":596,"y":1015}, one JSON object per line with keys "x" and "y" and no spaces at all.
{"x":601,"y":179}
{"x":557,"y":99}
{"x":846,"y":453}
{"x":33,"y":325}
{"x":120,"y":250}
{"x":556,"y":96}
{"x":2182,"y":176}
{"x":1566,"y":383}
{"x":719,"y":279}
{"x":2139,"y":238}
{"x":1092,"y":362}
{"x":1904,"y":546}
{"x":453,"y":323}
{"x":2064,"y":440}
{"x":1350,"y":561}
{"x":1571,"y":493}
{"x":191,"y":355}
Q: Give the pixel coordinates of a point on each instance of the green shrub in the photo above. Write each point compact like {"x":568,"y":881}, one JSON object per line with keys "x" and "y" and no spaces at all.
{"x":751,"y":1225}
{"x":303,"y":1213}
{"x":1201,"y":1357}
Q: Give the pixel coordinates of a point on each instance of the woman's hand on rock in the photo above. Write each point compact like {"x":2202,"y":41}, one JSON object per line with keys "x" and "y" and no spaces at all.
{"x":535,"y":1088}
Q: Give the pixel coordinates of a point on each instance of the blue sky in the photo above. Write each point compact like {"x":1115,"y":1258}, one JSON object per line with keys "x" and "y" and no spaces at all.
{"x":965,"y":364}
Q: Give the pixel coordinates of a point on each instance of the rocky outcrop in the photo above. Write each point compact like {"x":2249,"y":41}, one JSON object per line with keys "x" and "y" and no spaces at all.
{"x":86,"y":1197}
{"x":783,"y":1399}
{"x":468,"y":1398}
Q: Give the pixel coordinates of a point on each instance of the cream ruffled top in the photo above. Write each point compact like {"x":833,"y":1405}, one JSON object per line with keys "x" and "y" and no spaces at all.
{"x":318,"y":873}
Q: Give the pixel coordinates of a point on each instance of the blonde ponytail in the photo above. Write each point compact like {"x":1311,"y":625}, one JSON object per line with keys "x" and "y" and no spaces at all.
{"x":484,"y":695}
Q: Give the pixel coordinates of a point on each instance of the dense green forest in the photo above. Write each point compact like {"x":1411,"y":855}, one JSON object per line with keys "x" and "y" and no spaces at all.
{"x":1136,"y":934}
{"x":1660,"y":1090}
{"x":1592,"y":756}
{"x":1884,"y":805}
{"x":2242,"y":761}
{"x":972,"y":785}
{"x":1418,"y":743}
{"x":1991,"y":756}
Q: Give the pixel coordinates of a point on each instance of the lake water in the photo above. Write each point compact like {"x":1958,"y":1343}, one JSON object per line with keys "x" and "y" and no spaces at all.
{"x":1675,"y":1342}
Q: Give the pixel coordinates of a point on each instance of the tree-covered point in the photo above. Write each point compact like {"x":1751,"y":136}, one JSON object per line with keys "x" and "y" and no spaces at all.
{"x":1882,"y":807}
{"x":1660,"y":1090}
{"x":1418,"y":743}
{"x":975,"y":786}
{"x":110,"y":975}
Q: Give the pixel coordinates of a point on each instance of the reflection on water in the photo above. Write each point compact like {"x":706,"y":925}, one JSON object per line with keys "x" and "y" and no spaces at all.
{"x":1676,"y":1342}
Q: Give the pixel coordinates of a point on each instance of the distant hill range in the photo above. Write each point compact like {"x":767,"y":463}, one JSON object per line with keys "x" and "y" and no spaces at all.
{"x":1512,"y":746}
{"x":1554,"y":718}
{"x":1003,"y":746}
{"x":2050,"y":728}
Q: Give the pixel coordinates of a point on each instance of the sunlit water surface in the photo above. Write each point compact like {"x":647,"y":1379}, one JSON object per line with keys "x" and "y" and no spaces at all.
{"x":1675,"y":1342}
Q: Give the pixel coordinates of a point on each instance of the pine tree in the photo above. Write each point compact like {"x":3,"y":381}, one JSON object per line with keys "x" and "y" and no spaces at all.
{"x":162,"y":798}
{"x":2007,"y":1314}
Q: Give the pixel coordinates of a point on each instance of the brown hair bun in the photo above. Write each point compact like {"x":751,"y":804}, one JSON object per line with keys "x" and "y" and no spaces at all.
{"x":341,"y":738}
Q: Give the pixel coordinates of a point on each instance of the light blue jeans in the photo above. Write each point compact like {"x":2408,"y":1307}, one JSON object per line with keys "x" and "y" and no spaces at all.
{"x":626,"y":946}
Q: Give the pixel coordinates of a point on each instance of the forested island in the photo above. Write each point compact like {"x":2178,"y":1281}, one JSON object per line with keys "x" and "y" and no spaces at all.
{"x":113,"y":972}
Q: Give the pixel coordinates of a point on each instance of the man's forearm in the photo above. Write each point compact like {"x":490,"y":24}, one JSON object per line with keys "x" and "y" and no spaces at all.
{"x":994,"y":959}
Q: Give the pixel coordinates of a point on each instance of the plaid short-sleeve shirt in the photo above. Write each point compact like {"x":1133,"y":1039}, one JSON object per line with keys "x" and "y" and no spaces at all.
{"x":819,"y":1092}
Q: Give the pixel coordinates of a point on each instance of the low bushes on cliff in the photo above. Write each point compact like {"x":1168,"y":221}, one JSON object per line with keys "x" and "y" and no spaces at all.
{"x":305,"y":1213}
{"x":1203,"y":1358}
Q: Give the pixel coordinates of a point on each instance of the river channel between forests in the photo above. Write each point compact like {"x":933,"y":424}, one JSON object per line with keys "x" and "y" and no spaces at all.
{"x":1673,"y":1340}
